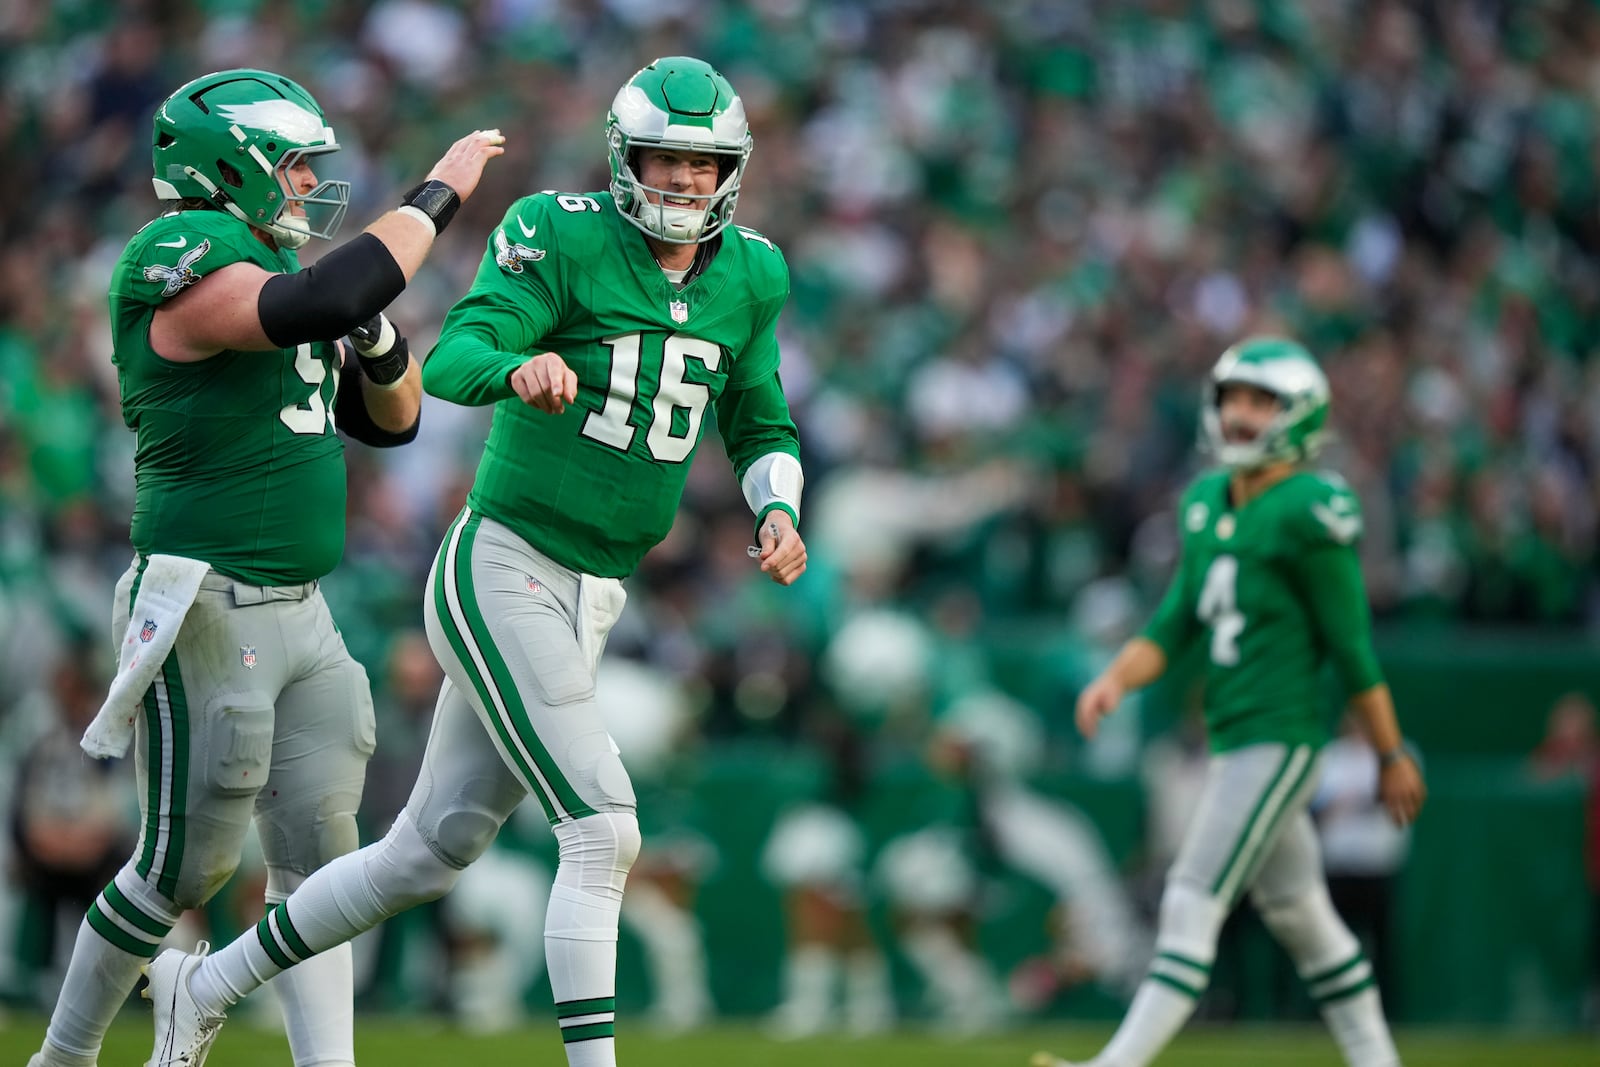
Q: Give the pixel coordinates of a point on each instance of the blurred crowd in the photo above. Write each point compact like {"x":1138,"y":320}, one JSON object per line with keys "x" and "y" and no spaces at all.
{"x":1019,"y":232}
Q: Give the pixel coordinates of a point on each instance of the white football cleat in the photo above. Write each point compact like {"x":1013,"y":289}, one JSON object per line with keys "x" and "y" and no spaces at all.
{"x":183,"y":1034}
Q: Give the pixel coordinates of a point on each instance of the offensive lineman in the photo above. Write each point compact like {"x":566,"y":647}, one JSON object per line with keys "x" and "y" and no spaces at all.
{"x":1270,"y":581}
{"x":601,"y":327}
{"x":230,"y":376}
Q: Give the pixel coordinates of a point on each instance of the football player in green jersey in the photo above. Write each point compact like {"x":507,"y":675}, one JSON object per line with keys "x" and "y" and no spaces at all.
{"x":230,"y":363}
{"x":601,"y":326}
{"x":1269,"y":583}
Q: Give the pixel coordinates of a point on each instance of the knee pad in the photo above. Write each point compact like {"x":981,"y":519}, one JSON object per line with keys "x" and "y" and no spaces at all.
{"x":597,"y":851}
{"x":462,"y":835}
{"x":599,"y":774}
{"x":1309,"y":929}
{"x":408,"y":870}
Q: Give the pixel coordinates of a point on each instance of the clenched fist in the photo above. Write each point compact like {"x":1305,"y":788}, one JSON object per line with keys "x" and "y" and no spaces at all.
{"x":546,"y":382}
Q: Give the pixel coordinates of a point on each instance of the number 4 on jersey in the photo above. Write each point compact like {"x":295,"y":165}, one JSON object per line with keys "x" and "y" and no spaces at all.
{"x":1219,"y":609}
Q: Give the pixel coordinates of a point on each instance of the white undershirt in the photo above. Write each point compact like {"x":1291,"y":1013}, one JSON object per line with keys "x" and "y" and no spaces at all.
{"x":676,"y":277}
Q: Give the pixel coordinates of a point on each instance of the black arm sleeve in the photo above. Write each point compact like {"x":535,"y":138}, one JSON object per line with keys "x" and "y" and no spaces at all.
{"x":351,"y":415}
{"x":331,"y":297}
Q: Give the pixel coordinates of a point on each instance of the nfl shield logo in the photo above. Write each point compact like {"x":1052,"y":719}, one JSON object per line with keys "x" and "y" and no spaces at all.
{"x":247,"y":656}
{"x":680,"y":311}
{"x":147,"y":631}
{"x":533,"y":583}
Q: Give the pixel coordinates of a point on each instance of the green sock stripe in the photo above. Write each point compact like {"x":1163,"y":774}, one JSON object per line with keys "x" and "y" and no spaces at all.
{"x":1341,"y":994}
{"x":125,"y":908}
{"x":118,"y":936}
{"x":588,"y":1033}
{"x":1183,"y":987}
{"x":1333,"y":972}
{"x":270,"y":945}
{"x":566,"y":1009}
{"x":1204,"y":968}
{"x":291,"y":936}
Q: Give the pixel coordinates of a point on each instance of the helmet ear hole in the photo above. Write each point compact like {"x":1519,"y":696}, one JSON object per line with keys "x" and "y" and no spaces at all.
{"x":230,"y":175}
{"x":164,"y":139}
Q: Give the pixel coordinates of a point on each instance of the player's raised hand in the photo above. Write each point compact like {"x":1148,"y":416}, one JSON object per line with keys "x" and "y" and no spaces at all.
{"x":462,"y":165}
{"x":1098,"y":699}
{"x":1402,"y":790}
{"x":546,"y":382}
{"x":783,"y":554}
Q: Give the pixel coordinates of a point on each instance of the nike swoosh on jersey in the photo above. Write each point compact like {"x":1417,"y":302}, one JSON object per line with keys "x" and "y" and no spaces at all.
{"x":527,"y":231}
{"x":179,"y":243}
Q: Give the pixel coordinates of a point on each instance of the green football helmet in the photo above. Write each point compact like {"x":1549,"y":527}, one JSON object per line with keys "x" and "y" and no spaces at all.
{"x":682,"y":103}
{"x":232,"y":136}
{"x":1288,"y":371}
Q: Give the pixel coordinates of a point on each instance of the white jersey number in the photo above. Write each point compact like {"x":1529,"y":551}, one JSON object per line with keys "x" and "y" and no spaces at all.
{"x":313,"y":415}
{"x":1219,"y":609}
{"x":613,"y":423}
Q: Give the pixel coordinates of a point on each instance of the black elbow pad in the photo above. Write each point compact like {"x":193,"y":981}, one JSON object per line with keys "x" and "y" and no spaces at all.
{"x":350,"y":413}
{"x":331,"y":297}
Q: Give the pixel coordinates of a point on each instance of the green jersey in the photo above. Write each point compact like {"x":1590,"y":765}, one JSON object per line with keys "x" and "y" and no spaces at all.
{"x":237,"y":461}
{"x":1274,"y":588}
{"x":597,"y":486}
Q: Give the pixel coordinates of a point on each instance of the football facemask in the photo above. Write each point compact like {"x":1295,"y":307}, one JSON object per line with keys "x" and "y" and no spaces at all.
{"x":682,"y":104}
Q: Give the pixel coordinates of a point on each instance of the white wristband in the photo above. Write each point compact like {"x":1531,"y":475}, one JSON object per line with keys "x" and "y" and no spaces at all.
{"x":421,"y":216}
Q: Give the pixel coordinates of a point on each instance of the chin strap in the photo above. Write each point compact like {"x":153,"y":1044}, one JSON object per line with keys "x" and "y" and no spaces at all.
{"x":287,"y":237}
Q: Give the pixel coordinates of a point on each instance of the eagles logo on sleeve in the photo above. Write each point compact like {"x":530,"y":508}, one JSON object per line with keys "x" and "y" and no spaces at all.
{"x":176,"y":278}
{"x":1339,"y":518}
{"x":511,"y":256}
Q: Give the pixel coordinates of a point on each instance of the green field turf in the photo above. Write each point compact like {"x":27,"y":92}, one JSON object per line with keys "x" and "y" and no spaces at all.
{"x":390,"y":1043}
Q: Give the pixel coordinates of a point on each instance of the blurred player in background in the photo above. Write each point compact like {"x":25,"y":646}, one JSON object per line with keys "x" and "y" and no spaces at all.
{"x":1269,"y":579}
{"x":601,"y":326}
{"x":229,"y":364}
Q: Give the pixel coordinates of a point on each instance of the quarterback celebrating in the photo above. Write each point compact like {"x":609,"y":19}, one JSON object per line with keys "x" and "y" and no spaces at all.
{"x":232,"y":670}
{"x":601,"y":326}
{"x":1269,"y":580}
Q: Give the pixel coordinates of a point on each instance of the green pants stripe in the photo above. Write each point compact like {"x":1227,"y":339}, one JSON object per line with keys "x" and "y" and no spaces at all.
{"x":469,"y":637}
{"x":1269,"y":807}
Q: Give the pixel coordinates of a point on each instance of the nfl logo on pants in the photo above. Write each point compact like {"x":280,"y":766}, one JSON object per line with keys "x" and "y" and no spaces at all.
{"x":247,"y":656}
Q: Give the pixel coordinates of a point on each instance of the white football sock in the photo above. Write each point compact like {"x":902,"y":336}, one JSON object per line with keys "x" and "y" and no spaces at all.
{"x":128,"y":915}
{"x":580,"y":931}
{"x":352,"y":894}
{"x":1336,"y":972}
{"x":869,"y":994}
{"x":809,"y":972}
{"x":1186,"y":945}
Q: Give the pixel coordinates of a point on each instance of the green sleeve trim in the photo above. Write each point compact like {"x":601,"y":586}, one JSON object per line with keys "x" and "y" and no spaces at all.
{"x":776,"y":506}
